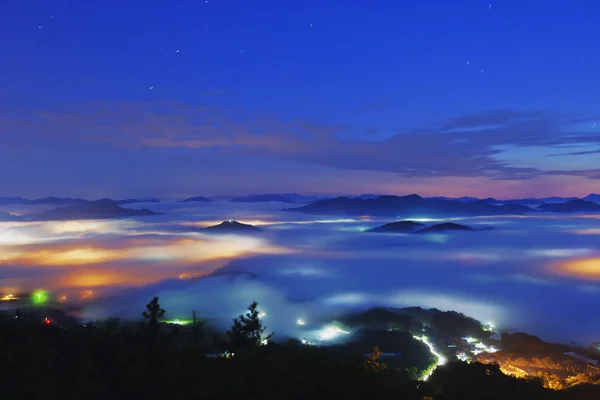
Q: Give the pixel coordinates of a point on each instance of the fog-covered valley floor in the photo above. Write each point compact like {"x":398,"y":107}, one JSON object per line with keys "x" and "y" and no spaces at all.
{"x":539,"y":274}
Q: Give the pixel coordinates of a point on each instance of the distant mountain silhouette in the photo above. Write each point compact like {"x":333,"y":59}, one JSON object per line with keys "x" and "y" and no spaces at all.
{"x":99,"y":209}
{"x":397,"y":227}
{"x":232,"y":270}
{"x":558,"y":199}
{"x":262,"y":198}
{"x":300,"y":198}
{"x":410,"y":227}
{"x":7,"y":217}
{"x":197,"y":199}
{"x":366,"y":196}
{"x":526,"y":202}
{"x":407,"y":206}
{"x":577,"y":205}
{"x":5,"y":201}
{"x":133,"y":201}
{"x":592,"y":197}
{"x":446,"y":226}
{"x":222,"y":197}
{"x":464,"y":199}
{"x":491,"y":200}
{"x":231,"y":226}
{"x":56,"y":201}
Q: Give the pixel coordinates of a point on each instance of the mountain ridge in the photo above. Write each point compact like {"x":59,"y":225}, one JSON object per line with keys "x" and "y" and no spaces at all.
{"x":576,"y":205}
{"x":410,"y":205}
{"x":99,"y":209}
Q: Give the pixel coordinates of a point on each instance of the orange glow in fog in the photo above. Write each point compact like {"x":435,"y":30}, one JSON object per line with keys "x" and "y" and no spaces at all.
{"x":587,"y":232}
{"x":586,"y":268}
{"x":172,"y":250}
{"x":68,"y":257}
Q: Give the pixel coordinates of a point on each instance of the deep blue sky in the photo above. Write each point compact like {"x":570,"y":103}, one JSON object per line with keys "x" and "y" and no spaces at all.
{"x":178,"y":98}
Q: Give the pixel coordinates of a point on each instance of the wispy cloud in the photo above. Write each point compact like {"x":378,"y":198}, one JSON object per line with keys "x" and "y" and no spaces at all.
{"x":465,"y":146}
{"x":575,"y":153}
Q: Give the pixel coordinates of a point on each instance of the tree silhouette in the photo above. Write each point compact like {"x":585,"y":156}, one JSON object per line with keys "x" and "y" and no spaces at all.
{"x":248,"y":333}
{"x":151,"y":325}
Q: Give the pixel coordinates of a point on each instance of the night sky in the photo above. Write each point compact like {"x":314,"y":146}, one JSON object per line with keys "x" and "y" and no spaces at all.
{"x":181,"y":98}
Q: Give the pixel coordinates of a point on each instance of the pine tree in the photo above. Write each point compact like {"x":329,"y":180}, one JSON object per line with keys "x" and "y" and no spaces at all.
{"x":153,"y":312}
{"x":248,"y":333}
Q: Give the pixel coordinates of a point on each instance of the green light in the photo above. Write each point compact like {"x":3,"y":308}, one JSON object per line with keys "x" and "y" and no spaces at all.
{"x":39,"y":297}
{"x":177,"y":322}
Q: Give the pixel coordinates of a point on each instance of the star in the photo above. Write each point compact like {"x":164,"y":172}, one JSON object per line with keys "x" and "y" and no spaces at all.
{"x":151,"y":87}
{"x":482,"y":71}
{"x":468,"y":62}
{"x":176,"y":51}
{"x":310,"y":26}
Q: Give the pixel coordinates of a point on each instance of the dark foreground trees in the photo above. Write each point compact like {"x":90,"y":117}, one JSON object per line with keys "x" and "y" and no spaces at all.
{"x":162,"y":362}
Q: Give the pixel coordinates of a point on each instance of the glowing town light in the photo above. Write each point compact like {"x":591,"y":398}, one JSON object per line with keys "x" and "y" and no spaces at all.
{"x":177,"y":322}
{"x":87,"y":294}
{"x":490,"y":327}
{"x":300,"y":322}
{"x":230,"y":221}
{"x":463,"y":357}
{"x":331,"y":332}
{"x":39,"y":297}
{"x":470,"y":339}
{"x":441,"y":360}
{"x":480,"y":346}
{"x":9,"y":297}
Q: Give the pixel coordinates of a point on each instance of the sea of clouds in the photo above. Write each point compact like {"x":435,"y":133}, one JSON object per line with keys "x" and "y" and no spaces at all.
{"x":313,"y":268}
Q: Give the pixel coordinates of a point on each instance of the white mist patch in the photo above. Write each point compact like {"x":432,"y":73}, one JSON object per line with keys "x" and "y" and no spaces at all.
{"x":475,"y":308}
{"x":521,"y":278}
{"x":220,"y":300}
{"x":530,"y":279}
{"x":13,"y":236}
{"x":349,"y":299}
{"x":592,"y":289}
{"x":561,"y":253}
{"x":306,"y":271}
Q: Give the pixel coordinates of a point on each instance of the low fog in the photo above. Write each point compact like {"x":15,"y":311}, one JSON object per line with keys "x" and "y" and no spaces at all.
{"x":519,"y":276}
